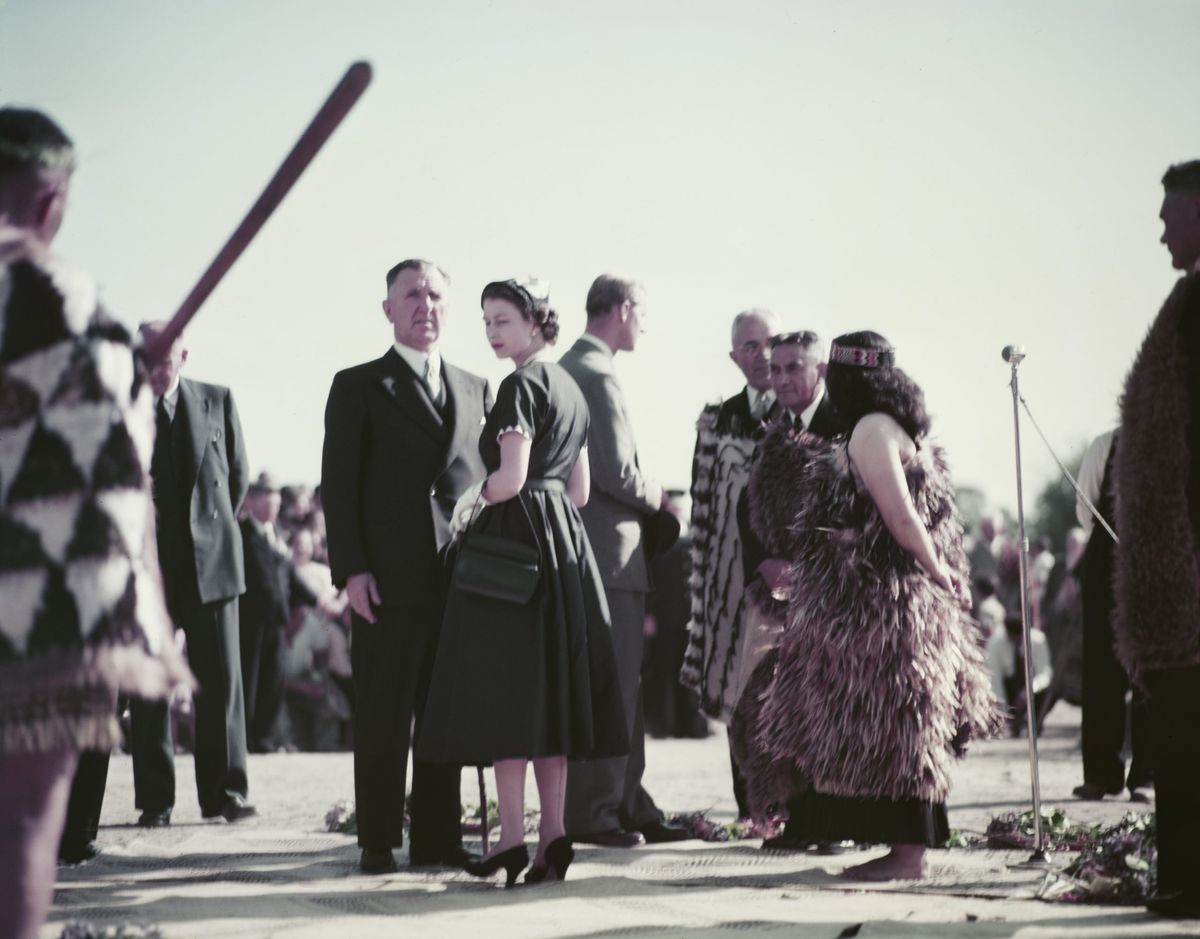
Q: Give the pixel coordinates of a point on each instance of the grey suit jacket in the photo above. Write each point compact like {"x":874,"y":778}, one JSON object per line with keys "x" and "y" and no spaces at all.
{"x":216,"y":479}
{"x":621,"y":496}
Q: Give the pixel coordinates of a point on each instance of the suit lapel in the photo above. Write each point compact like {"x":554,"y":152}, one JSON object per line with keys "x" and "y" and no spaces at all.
{"x":195,"y":407}
{"x":407,"y":391}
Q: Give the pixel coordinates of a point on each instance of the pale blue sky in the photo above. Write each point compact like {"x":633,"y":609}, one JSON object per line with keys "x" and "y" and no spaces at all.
{"x":955,"y":175}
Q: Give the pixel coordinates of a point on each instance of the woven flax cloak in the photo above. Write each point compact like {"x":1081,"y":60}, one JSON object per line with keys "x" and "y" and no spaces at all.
{"x":81,"y":613}
{"x":877,"y":683}
{"x":720,"y":469}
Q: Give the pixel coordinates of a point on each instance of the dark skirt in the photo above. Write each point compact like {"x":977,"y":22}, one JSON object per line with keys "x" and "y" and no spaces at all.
{"x":524,"y":681}
{"x":823,"y":817}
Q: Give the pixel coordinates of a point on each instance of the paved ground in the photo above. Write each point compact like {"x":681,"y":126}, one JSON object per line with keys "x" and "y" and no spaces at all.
{"x":282,"y":875}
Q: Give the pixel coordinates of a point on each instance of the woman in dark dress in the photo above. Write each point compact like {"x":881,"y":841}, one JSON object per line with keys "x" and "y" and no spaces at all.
{"x":534,"y":681}
{"x":877,"y":683}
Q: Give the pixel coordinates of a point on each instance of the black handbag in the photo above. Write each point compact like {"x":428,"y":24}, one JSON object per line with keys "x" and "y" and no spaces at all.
{"x":496,"y":567}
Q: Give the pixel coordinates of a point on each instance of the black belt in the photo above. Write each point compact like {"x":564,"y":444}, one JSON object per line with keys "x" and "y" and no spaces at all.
{"x":544,"y":485}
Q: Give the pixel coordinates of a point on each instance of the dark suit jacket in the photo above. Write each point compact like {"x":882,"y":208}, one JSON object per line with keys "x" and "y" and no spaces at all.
{"x":272,"y":585}
{"x":734,"y":416}
{"x":216,"y":473}
{"x":392,"y":469}
{"x":827,"y":423}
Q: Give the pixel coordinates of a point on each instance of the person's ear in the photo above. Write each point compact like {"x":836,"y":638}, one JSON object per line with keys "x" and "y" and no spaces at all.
{"x":733,"y":358}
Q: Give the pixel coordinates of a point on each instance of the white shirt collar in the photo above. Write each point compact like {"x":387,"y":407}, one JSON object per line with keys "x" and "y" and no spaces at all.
{"x":172,"y":393}
{"x":806,"y":415}
{"x":598,"y":343}
{"x":416,"y":358}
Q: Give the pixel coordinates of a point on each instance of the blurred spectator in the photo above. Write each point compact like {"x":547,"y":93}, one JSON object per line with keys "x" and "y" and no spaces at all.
{"x":272,"y":589}
{"x":989,"y":610}
{"x":1006,"y":662}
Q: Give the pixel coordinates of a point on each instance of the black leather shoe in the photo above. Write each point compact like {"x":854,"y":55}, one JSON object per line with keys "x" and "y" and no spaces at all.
{"x":77,"y":852}
{"x":235,"y":809}
{"x":1091,"y":792}
{"x":377,"y":861}
{"x":1180,"y":905}
{"x":455,"y":856}
{"x":662,"y":833}
{"x":614,"y":838}
{"x":159,"y":819}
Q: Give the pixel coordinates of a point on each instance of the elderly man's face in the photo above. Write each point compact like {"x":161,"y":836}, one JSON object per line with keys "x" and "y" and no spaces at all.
{"x":796,"y":375}
{"x":635,"y":320}
{"x":416,"y":306}
{"x":1181,"y":228}
{"x":752,"y":352}
{"x":163,"y":375}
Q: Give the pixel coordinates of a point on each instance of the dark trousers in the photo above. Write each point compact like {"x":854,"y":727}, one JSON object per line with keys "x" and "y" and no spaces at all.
{"x":86,"y":799}
{"x":603,"y":795}
{"x":1174,"y":718}
{"x":1104,"y":687}
{"x":220,"y":755}
{"x":739,"y":786}
{"x":262,"y":684}
{"x":392,"y":660}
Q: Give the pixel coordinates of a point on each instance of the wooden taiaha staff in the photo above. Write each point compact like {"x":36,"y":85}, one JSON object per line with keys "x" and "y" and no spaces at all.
{"x":326,"y":121}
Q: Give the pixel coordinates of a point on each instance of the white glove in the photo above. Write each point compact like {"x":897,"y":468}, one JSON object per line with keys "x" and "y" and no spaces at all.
{"x":469,"y":505}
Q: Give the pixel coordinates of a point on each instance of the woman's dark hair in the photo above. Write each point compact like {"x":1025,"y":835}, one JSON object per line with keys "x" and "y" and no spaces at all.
{"x":532,"y":310}
{"x":857,"y":391}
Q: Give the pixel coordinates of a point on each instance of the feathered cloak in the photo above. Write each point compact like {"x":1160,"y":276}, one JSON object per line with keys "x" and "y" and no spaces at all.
{"x":877,"y":683}
{"x":1157,"y":623}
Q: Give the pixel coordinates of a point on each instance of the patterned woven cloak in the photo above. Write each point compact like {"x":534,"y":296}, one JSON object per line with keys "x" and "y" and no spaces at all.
{"x":877,"y":683}
{"x":81,"y":613}
{"x":720,"y":468}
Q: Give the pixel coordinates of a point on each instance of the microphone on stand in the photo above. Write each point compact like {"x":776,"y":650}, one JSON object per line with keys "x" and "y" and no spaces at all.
{"x":1013,"y":354}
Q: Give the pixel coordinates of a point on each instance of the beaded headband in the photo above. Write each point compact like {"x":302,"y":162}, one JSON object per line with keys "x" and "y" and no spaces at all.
{"x":48,"y":157}
{"x":862,"y":357}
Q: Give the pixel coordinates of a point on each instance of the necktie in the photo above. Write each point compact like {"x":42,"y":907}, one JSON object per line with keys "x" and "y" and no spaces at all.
{"x":160,"y":460}
{"x":760,"y":405}
{"x":432,"y":382}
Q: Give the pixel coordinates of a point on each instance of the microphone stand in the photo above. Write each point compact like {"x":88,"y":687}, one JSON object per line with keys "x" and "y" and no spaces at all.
{"x":1039,"y":859}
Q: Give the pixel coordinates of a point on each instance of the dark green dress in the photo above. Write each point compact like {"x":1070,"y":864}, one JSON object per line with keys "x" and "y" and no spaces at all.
{"x":537,"y":679}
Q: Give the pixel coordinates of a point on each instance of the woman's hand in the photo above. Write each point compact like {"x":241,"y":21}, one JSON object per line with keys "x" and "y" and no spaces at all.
{"x":951,"y":582}
{"x":469,"y":504}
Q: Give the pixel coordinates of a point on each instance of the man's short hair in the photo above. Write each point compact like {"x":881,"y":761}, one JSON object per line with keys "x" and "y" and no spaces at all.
{"x":414,"y":264}
{"x":29,"y":140}
{"x":1183,"y":177}
{"x":757,"y":313}
{"x":606,"y":292}
{"x":804,"y":338}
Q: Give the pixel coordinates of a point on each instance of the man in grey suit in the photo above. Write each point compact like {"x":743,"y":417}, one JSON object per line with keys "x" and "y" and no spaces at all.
{"x":200,"y":475}
{"x":606,"y":803}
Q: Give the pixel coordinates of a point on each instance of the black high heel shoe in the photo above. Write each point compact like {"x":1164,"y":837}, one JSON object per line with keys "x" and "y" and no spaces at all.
{"x":514,"y":860}
{"x":559,"y":855}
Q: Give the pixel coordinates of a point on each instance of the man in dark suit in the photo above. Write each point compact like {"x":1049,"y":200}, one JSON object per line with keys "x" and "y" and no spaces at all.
{"x":200,"y":476}
{"x":272,"y":590}
{"x":606,"y":802}
{"x":798,"y":377}
{"x":401,"y":445}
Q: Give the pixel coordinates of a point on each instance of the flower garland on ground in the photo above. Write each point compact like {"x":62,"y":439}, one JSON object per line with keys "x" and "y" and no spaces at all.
{"x":1116,"y":864}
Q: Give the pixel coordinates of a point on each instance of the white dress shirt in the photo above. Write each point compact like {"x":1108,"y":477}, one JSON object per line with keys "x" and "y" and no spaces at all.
{"x":427,"y":365}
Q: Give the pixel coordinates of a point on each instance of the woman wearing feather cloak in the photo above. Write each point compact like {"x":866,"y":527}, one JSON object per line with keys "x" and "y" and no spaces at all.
{"x":877,"y":682}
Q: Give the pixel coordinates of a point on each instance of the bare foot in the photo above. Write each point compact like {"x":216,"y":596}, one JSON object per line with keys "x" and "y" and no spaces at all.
{"x":901,"y":863}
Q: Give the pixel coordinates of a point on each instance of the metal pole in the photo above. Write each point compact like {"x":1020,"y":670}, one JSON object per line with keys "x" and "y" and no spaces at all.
{"x":1014,"y":355}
